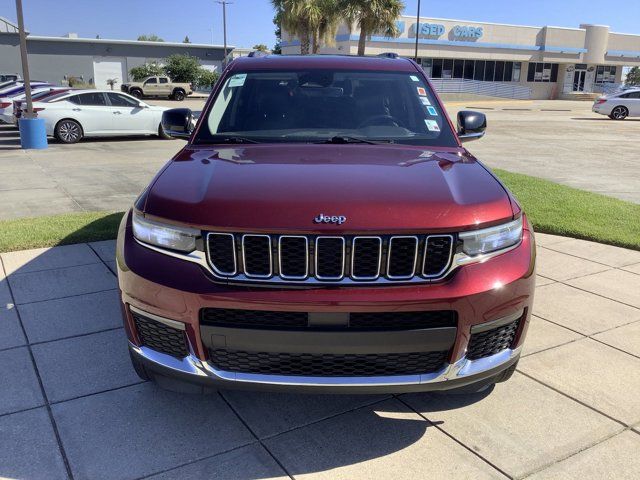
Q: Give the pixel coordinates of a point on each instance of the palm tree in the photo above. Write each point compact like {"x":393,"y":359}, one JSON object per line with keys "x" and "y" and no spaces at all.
{"x":372,"y":16}
{"x":312,"y":21}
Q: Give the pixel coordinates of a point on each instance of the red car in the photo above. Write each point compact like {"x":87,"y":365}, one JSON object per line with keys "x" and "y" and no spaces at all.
{"x":324,"y":230}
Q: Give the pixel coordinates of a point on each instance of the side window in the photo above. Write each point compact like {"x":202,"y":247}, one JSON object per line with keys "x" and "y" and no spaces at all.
{"x":94,"y":99}
{"x":151,"y":81}
{"x":119,"y":100}
{"x":75,"y":99}
{"x":164,"y":80}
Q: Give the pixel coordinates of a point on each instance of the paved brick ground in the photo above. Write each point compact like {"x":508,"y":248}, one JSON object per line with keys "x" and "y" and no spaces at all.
{"x":71,"y":406}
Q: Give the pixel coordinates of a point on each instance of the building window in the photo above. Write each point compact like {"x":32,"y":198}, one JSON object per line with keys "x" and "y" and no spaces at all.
{"x":542,"y":72}
{"x":606,"y":74}
{"x":483,"y":70}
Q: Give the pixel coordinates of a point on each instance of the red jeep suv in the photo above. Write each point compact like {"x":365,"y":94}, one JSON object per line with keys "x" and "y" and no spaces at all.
{"x":324,"y":230}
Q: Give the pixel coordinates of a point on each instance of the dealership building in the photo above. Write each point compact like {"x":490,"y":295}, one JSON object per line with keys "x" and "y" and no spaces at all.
{"x":503,"y":60}
{"x":55,"y":59}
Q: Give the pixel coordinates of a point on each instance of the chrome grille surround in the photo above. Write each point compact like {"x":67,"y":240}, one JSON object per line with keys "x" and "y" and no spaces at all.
{"x":349,"y":245}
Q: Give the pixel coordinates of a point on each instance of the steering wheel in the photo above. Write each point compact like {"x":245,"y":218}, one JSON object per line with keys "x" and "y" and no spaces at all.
{"x":382,"y":119}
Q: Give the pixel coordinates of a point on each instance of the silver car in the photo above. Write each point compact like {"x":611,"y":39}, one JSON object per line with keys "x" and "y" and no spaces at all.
{"x":619,"y":105}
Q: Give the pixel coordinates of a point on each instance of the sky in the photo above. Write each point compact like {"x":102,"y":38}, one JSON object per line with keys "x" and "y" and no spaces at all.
{"x":249,"y":22}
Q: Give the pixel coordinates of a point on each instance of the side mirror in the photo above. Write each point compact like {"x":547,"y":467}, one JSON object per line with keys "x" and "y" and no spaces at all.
{"x":471,"y":125}
{"x":178,"y":122}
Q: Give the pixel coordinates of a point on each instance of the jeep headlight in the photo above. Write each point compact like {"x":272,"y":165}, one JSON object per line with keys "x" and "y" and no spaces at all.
{"x":486,"y":240}
{"x":164,"y":235}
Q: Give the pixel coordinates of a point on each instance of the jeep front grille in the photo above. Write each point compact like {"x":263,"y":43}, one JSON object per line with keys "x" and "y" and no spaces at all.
{"x":300,"y":259}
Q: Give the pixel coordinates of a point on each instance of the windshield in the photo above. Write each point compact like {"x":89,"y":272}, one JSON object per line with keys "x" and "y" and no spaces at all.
{"x":335,"y":106}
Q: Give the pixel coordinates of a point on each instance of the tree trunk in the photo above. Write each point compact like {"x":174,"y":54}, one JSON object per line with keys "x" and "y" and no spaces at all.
{"x":316,"y":44}
{"x":362,"y":41}
{"x":304,"y":42}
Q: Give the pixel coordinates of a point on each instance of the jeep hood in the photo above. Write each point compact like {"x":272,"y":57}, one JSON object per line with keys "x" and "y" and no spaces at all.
{"x":283,"y":187}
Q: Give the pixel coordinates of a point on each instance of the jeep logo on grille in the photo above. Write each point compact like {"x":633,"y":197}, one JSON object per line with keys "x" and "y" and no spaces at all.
{"x":322,"y":218}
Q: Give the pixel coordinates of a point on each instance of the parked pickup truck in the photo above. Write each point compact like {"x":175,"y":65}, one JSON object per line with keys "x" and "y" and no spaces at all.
{"x":158,"y":87}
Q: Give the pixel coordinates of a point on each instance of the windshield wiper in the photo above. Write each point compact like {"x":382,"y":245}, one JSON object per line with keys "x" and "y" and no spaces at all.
{"x":340,"y":139}
{"x":236,"y":140}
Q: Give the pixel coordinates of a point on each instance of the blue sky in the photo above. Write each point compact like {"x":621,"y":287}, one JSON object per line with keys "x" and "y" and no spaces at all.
{"x":249,"y":21}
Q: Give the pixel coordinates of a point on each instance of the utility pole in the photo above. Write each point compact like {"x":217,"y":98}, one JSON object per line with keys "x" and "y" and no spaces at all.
{"x":25,"y":63}
{"x":415,"y":56}
{"x":224,"y":4}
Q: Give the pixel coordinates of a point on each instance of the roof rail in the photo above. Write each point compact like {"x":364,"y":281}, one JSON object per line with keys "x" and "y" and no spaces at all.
{"x":257,"y":53}
{"x":388,"y":55}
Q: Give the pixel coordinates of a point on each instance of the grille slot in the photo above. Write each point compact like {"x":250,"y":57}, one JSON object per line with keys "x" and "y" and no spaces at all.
{"x":490,"y":342}
{"x":160,"y":337}
{"x":256,"y":255}
{"x":366,"y":255}
{"x":227,"y":317}
{"x":402,"y":257}
{"x":222,"y":253}
{"x":330,"y":253}
{"x":403,"y":320}
{"x":437,"y":255}
{"x":293,"y":257}
{"x":299,"y":259}
{"x":327,"y":365}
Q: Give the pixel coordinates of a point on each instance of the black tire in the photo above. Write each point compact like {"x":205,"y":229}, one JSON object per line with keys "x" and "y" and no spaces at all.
{"x":619,"y":112}
{"x":139,"y":368}
{"x":162,"y":134}
{"x":136,"y":92}
{"x":68,"y":131}
{"x":178,"y":95}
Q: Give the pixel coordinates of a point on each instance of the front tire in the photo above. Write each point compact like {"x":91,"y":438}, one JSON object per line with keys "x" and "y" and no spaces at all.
{"x":178,"y":95}
{"x":619,"y":113}
{"x":68,"y":131}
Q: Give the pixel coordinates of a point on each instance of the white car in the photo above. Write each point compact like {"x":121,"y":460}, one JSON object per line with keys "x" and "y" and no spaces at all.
{"x":619,"y":105}
{"x":76,"y":114}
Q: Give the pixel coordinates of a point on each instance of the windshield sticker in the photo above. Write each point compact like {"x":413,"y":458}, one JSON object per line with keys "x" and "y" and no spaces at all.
{"x":432,"y":111}
{"x":237,"y":80}
{"x":422,"y":92}
{"x":425,"y":101}
{"x":414,"y":78}
{"x":432,"y":125}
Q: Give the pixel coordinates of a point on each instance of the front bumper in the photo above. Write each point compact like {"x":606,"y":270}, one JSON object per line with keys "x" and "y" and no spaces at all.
{"x":480,"y":294}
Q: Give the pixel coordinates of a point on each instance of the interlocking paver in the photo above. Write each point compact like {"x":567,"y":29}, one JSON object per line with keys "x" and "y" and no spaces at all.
{"x":65,"y":375}
{"x":26,"y":261}
{"x":62,"y":282}
{"x":268,"y":414}
{"x":615,"y":284}
{"x":598,"y":252}
{"x":613,"y":458}
{"x":595,"y":374}
{"x":141,"y":430}
{"x":29,"y":448}
{"x":10,"y":330}
{"x":542,"y":335}
{"x":520,"y":427}
{"x":633,"y":268}
{"x":559,"y":266}
{"x":19,"y":387}
{"x":581,"y":311}
{"x":386,"y":440}
{"x":249,"y":462}
{"x":625,"y":338}
{"x":65,"y":317}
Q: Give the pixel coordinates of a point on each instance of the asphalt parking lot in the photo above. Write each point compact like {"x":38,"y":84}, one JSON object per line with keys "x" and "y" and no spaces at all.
{"x":74,"y":408}
{"x":570,"y":145}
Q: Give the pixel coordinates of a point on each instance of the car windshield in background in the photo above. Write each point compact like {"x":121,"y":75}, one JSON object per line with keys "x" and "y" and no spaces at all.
{"x":333,"y":106}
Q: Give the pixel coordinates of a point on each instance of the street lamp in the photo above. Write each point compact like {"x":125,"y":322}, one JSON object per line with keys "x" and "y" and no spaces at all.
{"x":224,"y":4}
{"x":415,"y":57}
{"x":32,"y":130}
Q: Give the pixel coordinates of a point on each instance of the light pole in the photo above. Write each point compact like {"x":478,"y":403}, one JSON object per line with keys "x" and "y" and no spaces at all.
{"x":415,"y":56}
{"x":224,"y":4}
{"x":25,"y":63}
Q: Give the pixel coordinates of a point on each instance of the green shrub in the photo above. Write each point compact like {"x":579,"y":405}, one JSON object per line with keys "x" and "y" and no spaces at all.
{"x":206,"y":78}
{"x":146,"y":70}
{"x":182,"y":68}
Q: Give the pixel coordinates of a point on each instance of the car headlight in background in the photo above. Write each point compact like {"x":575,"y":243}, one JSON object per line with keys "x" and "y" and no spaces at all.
{"x":486,"y":240}
{"x":164,"y":235}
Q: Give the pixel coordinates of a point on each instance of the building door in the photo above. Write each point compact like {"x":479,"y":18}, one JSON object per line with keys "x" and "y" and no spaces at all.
{"x":105,"y":68}
{"x":578,"y":80}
